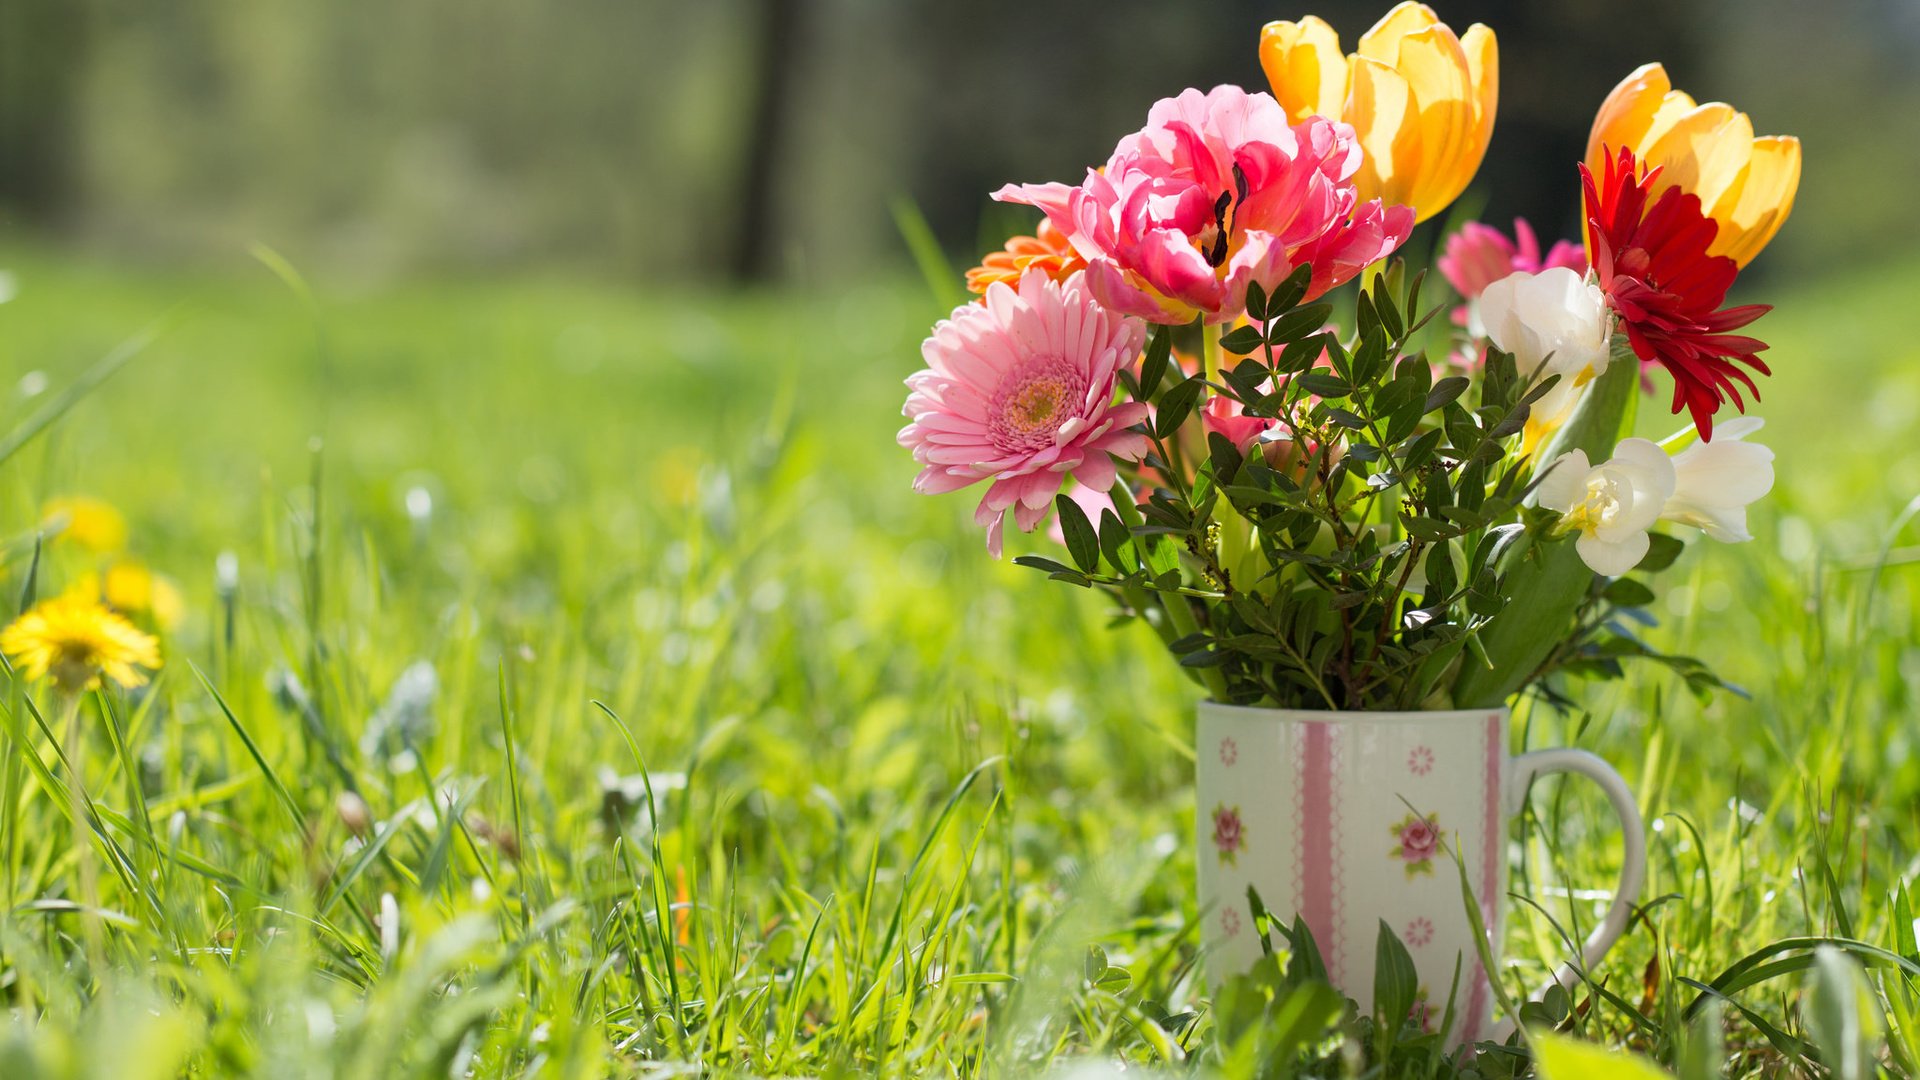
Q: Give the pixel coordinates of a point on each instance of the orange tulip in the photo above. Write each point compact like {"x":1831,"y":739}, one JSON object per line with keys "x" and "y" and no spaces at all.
{"x":1421,"y":99}
{"x":1745,"y":185}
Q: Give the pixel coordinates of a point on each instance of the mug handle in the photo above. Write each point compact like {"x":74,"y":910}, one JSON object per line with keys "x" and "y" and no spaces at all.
{"x":1633,"y":871}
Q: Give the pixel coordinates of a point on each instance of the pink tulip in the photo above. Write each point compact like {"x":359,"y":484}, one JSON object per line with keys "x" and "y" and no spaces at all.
{"x":1215,"y":193}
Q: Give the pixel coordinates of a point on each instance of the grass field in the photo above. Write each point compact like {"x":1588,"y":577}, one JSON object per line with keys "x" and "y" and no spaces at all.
{"x":735,"y":753}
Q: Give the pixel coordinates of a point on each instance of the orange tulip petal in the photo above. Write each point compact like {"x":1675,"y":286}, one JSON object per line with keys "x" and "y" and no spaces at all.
{"x":1626,"y":113}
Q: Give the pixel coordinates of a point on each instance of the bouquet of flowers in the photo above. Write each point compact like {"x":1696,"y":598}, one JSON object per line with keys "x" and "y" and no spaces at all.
{"x":1323,"y":487}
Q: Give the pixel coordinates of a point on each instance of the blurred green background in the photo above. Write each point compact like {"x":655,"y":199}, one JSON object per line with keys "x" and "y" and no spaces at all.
{"x":763,"y":139}
{"x":608,"y":320}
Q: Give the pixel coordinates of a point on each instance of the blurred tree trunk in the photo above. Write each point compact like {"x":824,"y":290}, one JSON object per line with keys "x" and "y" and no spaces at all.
{"x":781,"y":24}
{"x":42,"y":49}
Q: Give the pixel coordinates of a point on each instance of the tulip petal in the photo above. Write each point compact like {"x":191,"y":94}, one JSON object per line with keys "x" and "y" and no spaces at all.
{"x":1624,"y":116}
{"x":1483,"y":73}
{"x":1762,"y":199}
{"x":1668,"y":111}
{"x":1382,"y":111}
{"x":1388,"y":36}
{"x":1305,"y":68}
{"x":1745,"y":185}
{"x":1703,"y":151}
{"x":1435,"y":68}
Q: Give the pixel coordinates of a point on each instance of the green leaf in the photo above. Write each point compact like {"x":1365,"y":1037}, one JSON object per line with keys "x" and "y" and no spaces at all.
{"x":1842,"y":1015}
{"x":1425,"y":528}
{"x":1303,"y":354}
{"x":1154,"y":366}
{"x":1365,"y":320}
{"x":1291,"y":291}
{"x":1298,"y":323}
{"x":1175,"y":407}
{"x":1704,"y":1050}
{"x":1444,"y":391}
{"x":1095,"y":964}
{"x":1441,"y":578}
{"x":1246,"y":377}
{"x":1628,"y":593}
{"x":1114,"y":539}
{"x":1043,"y":564}
{"x":1324,"y":385}
{"x":1082,"y":542}
{"x":1561,"y":1058}
{"x":1370,"y":359}
{"x":1256,"y":302}
{"x":1225,"y":458}
{"x":1396,"y":982}
{"x":1241,"y":340}
{"x":1662,"y":550}
{"x":1383,"y":305}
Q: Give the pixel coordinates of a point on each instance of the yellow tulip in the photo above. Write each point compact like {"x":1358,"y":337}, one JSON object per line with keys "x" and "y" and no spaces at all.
{"x":1420,"y":99}
{"x":1746,"y":185}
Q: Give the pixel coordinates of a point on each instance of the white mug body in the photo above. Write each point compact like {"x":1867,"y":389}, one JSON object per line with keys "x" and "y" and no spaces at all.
{"x":1349,"y":820}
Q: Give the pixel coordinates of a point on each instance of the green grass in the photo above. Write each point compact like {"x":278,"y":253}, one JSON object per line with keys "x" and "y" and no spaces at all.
{"x":742,"y":754}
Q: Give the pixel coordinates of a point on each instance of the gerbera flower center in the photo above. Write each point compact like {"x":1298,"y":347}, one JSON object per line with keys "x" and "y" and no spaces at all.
{"x":1033,"y":402}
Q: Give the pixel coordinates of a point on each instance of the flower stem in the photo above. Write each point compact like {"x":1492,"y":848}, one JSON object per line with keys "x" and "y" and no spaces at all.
{"x":82,"y":843}
{"x":1209,"y":350}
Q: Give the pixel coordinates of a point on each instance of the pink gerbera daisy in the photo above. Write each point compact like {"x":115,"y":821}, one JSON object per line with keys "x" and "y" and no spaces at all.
{"x":1019,"y":391}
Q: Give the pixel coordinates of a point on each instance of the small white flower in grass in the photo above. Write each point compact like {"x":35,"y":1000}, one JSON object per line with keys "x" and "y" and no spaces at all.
{"x":1716,"y":481}
{"x":1554,"y":323}
{"x":1611,"y":505}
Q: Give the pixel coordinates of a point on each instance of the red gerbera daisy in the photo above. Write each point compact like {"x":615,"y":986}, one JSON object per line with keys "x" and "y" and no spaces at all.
{"x":1653,"y":265}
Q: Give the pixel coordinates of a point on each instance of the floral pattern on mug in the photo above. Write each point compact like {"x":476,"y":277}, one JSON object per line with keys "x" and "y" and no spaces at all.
{"x":1228,"y":834}
{"x":1229,"y":922}
{"x":1229,"y":751}
{"x":1418,"y":842}
{"x":1419,"y":933}
{"x":1420,"y":760}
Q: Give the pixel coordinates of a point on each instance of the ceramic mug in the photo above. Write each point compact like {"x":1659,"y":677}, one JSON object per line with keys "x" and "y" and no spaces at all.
{"x":1347,"y":819}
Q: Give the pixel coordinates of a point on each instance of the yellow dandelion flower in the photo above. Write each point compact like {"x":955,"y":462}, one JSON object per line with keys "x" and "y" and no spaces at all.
{"x":132,"y":589}
{"x":76,"y":640}
{"x":86,"y":521}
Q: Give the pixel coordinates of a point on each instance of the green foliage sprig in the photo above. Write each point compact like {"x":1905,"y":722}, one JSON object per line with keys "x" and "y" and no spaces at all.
{"x":1374,"y":549}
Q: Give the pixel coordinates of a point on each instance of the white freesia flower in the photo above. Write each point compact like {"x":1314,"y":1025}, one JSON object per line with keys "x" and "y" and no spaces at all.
{"x":1554,"y":323}
{"x":1610,"y":505}
{"x":1716,"y":481}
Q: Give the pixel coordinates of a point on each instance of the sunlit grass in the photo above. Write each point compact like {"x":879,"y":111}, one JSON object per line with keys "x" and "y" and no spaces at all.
{"x":735,"y":751}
